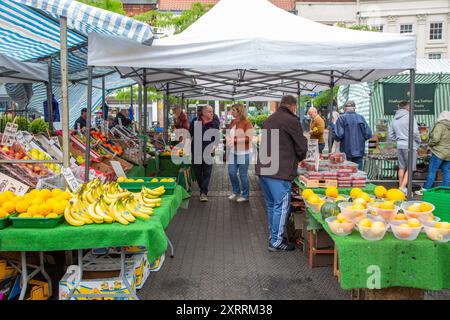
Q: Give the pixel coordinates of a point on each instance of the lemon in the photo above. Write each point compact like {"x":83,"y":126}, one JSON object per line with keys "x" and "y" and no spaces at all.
{"x":313,"y":198}
{"x":9,"y":206}
{"x":332,"y":192}
{"x":32,"y":210}
{"x":59,"y":207}
{"x":56,"y":192}
{"x":24,"y":215}
{"x":44,"y":209}
{"x":37,"y":201}
{"x":414,"y":223}
{"x":38,"y":216}
{"x":121,"y":179}
{"x":380,"y":191}
{"x":9,"y":194}
{"x":45,"y":194}
{"x":395,"y":195}
{"x":365,"y":196}
{"x":400,"y":216}
{"x":305,"y":193}
{"x":3,"y":198}
{"x":442,"y":225}
{"x":22,"y":206}
{"x":367,"y":223}
{"x":387,"y":205}
{"x":425,"y":207}
{"x":358,"y":206}
{"x":154,"y":180}
{"x":360,"y":201}
{"x":354,"y":193}
{"x":52,"y":215}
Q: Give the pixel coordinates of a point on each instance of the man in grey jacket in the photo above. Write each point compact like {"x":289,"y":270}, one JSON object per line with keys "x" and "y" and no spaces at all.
{"x":399,"y":133}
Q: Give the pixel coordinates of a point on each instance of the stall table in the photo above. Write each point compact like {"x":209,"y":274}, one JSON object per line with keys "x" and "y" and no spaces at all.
{"x":421,"y":264}
{"x":149,"y":233}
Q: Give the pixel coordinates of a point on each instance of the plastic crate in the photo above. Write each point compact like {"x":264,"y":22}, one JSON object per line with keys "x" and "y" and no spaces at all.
{"x":36,"y":222}
{"x":5,"y":222}
{"x":137,"y":186}
{"x":440,"y":197}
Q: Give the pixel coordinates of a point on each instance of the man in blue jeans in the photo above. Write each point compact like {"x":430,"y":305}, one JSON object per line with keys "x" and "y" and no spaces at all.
{"x":283,"y":146}
{"x":352,"y":131}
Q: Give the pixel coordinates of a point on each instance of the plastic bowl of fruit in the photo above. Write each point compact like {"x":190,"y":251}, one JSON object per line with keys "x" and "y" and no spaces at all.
{"x":372,"y":229}
{"x":316,"y":204}
{"x":352,"y":213}
{"x":406,"y":231}
{"x":385,"y":209}
{"x":418,"y":209}
{"x":438,"y":231}
{"x":340,"y":197}
{"x":340,"y":226}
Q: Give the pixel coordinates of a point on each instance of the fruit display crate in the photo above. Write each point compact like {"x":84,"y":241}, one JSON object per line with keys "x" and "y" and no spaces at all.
{"x":5,"y":222}
{"x":36,"y":222}
{"x":317,"y":183}
{"x":137,"y":186}
{"x":440,"y":198}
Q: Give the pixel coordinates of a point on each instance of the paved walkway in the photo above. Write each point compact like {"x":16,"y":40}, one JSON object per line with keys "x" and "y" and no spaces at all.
{"x":221,"y":253}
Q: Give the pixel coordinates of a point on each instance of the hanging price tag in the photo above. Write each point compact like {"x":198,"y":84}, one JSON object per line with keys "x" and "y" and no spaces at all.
{"x":21,"y":139}
{"x":73,"y":183}
{"x":9,"y":135}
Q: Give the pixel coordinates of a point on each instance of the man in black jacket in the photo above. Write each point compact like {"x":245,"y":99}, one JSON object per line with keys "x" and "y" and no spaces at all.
{"x":203,"y":135}
{"x":283,"y":146}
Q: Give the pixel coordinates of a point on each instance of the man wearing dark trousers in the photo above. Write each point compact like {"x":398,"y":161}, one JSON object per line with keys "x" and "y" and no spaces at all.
{"x":282,"y":147}
{"x":204,"y":138}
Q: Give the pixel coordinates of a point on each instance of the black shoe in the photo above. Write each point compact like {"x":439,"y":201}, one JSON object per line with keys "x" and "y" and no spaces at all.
{"x":285,"y":246}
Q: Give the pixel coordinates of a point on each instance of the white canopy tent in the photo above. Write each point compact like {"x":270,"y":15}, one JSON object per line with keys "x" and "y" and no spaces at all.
{"x":241,"y":49}
{"x":15,"y":71}
{"x":245,"y":46}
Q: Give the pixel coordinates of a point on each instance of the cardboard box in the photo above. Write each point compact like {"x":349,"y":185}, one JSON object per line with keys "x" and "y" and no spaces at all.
{"x":299,"y":220}
{"x":101,"y":275}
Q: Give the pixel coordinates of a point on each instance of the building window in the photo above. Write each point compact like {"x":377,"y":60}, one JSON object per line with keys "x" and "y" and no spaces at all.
{"x":406,"y":28}
{"x":436,"y":31}
{"x":378,"y":28}
{"x":434,"y":56}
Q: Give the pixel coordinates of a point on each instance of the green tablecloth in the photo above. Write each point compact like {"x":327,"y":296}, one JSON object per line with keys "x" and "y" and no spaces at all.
{"x":136,"y":171}
{"x":152,"y":166}
{"x":420,"y":264}
{"x":149,"y":233}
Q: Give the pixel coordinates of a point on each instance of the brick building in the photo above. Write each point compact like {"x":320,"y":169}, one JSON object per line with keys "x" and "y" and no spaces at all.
{"x":135,"y":7}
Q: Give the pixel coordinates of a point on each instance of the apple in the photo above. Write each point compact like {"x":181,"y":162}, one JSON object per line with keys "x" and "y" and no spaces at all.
{"x":37,"y":169}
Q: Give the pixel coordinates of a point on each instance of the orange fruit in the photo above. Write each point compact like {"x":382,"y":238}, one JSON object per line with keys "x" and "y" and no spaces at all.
{"x":37,"y":201}
{"x":3,"y":198}
{"x":45,"y":194}
{"x":59,"y":207}
{"x":32,"y":210}
{"x":9,"y":194}
{"x":56,"y":192}
{"x":9,"y":206}
{"x":3,"y":213}
{"x":22,"y":206}
{"x":44,"y":209}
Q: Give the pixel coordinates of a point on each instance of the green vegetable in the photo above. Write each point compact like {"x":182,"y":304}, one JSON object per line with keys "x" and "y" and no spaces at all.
{"x":329,"y":209}
{"x":38,"y":126}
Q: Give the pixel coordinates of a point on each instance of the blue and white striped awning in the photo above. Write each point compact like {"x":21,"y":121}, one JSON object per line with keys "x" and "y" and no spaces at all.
{"x":30,"y":31}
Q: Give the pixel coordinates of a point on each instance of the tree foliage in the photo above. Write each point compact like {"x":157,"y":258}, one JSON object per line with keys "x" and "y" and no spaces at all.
{"x":125,"y":94}
{"x":169,"y":20}
{"x":110,"y":5}
{"x":361,"y":27}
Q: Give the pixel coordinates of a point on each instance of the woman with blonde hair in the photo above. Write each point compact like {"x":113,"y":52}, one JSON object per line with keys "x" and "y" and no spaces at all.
{"x":239,"y":143}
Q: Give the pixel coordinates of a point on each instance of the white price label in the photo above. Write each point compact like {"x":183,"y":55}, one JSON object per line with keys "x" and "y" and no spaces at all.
{"x":73,"y":183}
{"x":9,"y":134}
{"x":21,"y":139}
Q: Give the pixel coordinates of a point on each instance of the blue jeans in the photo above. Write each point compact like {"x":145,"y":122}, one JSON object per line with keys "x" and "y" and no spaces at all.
{"x":321,"y":147}
{"x":435,"y":165}
{"x":358,"y":161}
{"x":277,"y":196}
{"x":239,"y":163}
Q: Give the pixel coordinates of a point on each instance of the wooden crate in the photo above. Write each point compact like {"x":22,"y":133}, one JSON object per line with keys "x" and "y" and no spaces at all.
{"x":317,"y":183}
{"x":392,"y":293}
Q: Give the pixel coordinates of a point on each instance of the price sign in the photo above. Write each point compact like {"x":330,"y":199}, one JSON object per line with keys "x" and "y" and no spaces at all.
{"x":73,"y":183}
{"x":9,"y":135}
{"x":21,"y":139}
{"x":118,"y":169}
{"x":8,"y":183}
{"x":313,"y":154}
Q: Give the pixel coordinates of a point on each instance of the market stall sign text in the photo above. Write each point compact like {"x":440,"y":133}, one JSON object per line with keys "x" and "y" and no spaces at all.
{"x":396,"y":92}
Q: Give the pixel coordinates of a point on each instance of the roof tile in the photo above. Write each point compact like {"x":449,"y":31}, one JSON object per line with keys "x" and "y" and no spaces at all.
{"x":179,"y":5}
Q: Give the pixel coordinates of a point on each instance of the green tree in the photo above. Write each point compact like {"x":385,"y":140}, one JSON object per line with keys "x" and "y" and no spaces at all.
{"x":110,"y":5}
{"x":167,"y":19}
{"x":125,"y":94}
{"x":361,"y":27}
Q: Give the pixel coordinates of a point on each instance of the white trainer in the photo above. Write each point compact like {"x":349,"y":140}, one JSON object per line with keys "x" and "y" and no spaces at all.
{"x":233,"y":197}
{"x":241,"y":199}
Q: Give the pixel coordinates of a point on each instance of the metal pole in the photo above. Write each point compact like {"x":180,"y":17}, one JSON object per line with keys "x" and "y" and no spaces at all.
{"x":412,"y":90}
{"x":49,"y":97}
{"x":105,"y":116}
{"x":145,"y":117}
{"x":140,"y":109}
{"x":182,"y":102}
{"x":166,"y":109}
{"x":88,"y":125}
{"x":300,"y":112}
{"x":330,"y":110}
{"x":64,"y":93}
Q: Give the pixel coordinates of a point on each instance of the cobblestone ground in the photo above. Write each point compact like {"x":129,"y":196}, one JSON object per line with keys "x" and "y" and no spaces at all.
{"x":221,"y":253}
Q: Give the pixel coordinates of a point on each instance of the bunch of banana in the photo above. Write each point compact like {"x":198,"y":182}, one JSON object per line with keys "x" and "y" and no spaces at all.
{"x":99,"y":212}
{"x":92,"y":191}
{"x":137,"y":209}
{"x":76,"y":213}
{"x":153,"y":193}
{"x":120,"y":213}
{"x":114,"y":192}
